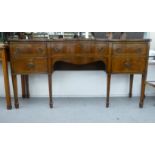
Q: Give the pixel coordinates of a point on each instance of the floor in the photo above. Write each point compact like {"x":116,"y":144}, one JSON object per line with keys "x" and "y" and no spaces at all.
{"x":79,"y":110}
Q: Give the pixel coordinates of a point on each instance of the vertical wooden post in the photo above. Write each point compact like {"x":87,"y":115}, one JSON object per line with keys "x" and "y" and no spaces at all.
{"x":131,"y":85}
{"x":15,"y":90}
{"x":50,"y":90}
{"x":23,"y":86}
{"x":141,"y":103}
{"x":6,"y":79}
{"x":108,"y":89}
{"x":27,"y":86}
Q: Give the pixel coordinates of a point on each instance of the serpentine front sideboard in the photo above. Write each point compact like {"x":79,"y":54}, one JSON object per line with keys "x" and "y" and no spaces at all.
{"x":119,"y":57}
{"x":4,"y":58}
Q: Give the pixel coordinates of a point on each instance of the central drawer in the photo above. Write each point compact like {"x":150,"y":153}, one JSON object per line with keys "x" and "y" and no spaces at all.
{"x":82,"y":47}
{"x":29,"y":65}
{"x":34,"y":49}
{"x":85,"y":47}
{"x":57,"y":48}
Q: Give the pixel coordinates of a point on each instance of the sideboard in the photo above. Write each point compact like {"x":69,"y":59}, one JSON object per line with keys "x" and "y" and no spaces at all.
{"x":119,"y":56}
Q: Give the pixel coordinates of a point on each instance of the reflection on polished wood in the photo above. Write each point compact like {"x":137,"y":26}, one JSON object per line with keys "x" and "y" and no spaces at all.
{"x":117,"y":56}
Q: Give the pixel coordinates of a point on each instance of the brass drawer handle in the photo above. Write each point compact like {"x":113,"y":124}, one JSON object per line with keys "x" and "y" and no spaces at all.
{"x":30,"y":65}
{"x":86,"y":48}
{"x":127,"y":64}
{"x":40,"y":50}
{"x":139,"y":50}
{"x":81,"y":46}
{"x":16,"y":52}
{"x":56,"y":49}
{"x":118,"y":50}
{"x":101,"y":49}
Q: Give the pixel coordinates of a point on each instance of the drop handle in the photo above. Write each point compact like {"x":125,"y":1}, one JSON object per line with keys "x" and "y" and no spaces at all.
{"x":118,"y":50}
{"x":16,"y":52}
{"x":40,"y":50}
{"x":139,"y":50}
{"x":100,"y":49}
{"x":56,"y":49}
{"x":127,"y":64}
{"x":30,"y":65}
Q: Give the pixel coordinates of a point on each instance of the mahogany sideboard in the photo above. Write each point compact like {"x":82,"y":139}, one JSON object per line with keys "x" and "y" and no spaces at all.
{"x":4,"y":60}
{"x":119,"y":57}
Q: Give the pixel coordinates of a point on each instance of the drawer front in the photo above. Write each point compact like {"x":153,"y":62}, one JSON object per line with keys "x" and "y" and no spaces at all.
{"x":73,"y":47}
{"x":84,"y":47}
{"x":101,"y":48}
{"x":28,"y":50}
{"x":129,"y":48}
{"x":33,"y":65}
{"x":128,"y":64}
{"x":57,"y":48}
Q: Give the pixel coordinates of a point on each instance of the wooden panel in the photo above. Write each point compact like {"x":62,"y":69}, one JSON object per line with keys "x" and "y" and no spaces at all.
{"x":128,"y":64}
{"x":32,"y":49}
{"x":32,"y":65}
{"x":129,"y":48}
{"x":85,"y":47}
{"x":71,"y":47}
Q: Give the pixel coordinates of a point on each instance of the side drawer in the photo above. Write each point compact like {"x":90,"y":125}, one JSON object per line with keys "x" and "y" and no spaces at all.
{"x":33,"y":49}
{"x":31,"y":65}
{"x":139,"y":49}
{"x":128,"y":64}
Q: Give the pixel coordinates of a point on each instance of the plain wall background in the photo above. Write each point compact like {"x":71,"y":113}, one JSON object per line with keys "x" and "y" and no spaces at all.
{"x":152,"y":36}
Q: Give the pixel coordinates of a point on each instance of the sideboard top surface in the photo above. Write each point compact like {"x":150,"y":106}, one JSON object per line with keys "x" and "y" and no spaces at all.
{"x":74,"y":40}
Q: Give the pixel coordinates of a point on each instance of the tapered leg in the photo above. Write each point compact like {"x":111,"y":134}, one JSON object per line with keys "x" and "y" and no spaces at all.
{"x":6,"y":80}
{"x":50,"y":90}
{"x":131,"y":85}
{"x":23,"y":86}
{"x":15,"y":90}
{"x":27,"y":86}
{"x":108,"y":89}
{"x":141,"y":103}
{"x":144,"y":93}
